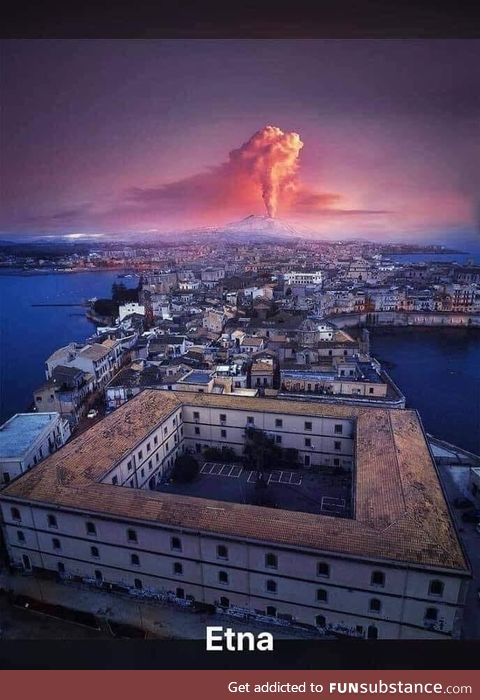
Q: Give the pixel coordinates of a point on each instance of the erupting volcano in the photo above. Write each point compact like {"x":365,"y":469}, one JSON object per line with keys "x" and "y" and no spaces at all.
{"x":270,"y":156}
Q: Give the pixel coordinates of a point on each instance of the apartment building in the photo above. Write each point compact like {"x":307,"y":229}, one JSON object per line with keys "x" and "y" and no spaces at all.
{"x":101,"y":360}
{"x":395,"y":569}
{"x":28,"y":438}
{"x":302,"y":278}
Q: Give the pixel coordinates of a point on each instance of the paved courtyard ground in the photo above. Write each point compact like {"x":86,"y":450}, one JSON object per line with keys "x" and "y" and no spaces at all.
{"x":299,"y":490}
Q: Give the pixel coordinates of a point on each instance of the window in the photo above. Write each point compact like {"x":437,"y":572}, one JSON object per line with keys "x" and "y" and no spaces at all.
{"x":178,"y":568}
{"x":140,"y":454}
{"x":224,"y":602}
{"x":370,"y":390}
{"x":129,"y":465}
{"x":278,"y":439}
{"x":337,"y":445}
{"x":142,"y":473}
{"x":180,"y":593}
{"x":6,"y":477}
{"x":308,"y":425}
{"x":278,"y":423}
{"x":150,"y":465}
{"x":15,"y":513}
{"x":138,"y":584}
{"x":61,"y":567}
{"x":375,"y":605}
{"x":196,"y":415}
{"x":271,"y":561}
{"x":322,"y":595}
{"x":56,"y":543}
{"x":91,"y":529}
{"x":98,"y":576}
{"x":308,"y":442}
{"x":271,"y":586}
{"x":52,"y":521}
{"x":132,"y":535}
{"x":336,"y":462}
{"x":131,"y":484}
{"x":223,"y":433}
{"x":114,"y":480}
{"x":222,"y":577}
{"x":435,"y":588}
{"x":250,"y":420}
{"x":271,"y":611}
{"x":197,"y":430}
{"x":155,"y":440}
{"x":134,"y":560}
{"x":323,"y":569}
{"x":20,"y":536}
{"x":222,"y":552}
{"x":176,"y":544}
{"x":223,"y":417}
{"x":431,"y":614}
{"x":149,"y":447}
{"x":320,"y":621}
{"x":378,"y":578}
{"x":94,"y":551}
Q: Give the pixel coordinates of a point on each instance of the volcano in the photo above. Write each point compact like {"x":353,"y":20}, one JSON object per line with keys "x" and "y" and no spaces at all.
{"x":263,"y":225}
{"x":251,"y":229}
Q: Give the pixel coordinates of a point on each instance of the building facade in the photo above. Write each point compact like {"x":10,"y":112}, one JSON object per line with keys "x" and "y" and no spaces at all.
{"x":371,"y":574}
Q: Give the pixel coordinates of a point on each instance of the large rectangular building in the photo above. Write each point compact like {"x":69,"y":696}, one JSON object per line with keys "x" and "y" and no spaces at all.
{"x":395,"y":569}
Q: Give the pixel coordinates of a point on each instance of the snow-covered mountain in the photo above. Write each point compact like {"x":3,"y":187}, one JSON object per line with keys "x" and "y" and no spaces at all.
{"x":252,"y":228}
{"x":261,"y":225}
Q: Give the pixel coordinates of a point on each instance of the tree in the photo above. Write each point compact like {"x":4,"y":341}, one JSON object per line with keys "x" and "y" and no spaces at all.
{"x":261,"y":453}
{"x":185,"y":469}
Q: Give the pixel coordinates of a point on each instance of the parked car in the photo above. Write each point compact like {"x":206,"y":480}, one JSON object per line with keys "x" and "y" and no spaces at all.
{"x":471,"y":516}
{"x":92,"y":413}
{"x":463,"y":502}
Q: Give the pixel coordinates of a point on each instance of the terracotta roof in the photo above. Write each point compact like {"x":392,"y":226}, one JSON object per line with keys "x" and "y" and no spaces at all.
{"x":262,"y":367}
{"x":400,"y":511}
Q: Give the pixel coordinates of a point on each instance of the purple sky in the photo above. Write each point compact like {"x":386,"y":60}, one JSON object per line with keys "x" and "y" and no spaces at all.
{"x":113,"y":135}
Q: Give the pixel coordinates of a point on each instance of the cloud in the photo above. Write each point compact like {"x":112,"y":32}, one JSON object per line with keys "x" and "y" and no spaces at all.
{"x":264,"y":167}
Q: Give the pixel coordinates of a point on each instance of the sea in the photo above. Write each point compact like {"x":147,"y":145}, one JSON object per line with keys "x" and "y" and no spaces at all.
{"x":438,"y":369}
{"x":29,"y":333}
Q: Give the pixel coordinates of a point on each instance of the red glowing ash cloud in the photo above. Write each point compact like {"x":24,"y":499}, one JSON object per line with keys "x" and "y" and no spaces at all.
{"x":271,"y":157}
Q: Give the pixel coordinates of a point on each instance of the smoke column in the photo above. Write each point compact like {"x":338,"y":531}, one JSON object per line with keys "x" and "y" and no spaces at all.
{"x":271,"y":157}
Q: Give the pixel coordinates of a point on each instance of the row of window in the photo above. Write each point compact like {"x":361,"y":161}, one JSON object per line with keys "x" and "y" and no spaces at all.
{"x":308,"y":425}
{"x":150,"y":466}
{"x":337,"y":445}
{"x":155,"y":443}
{"x":377,"y":578}
{"x":431,"y":615}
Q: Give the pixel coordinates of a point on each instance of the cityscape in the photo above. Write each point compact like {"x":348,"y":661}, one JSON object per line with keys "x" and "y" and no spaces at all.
{"x":261,"y":414}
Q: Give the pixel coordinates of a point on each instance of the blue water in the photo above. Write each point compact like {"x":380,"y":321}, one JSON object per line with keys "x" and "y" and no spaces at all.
{"x":28,"y":335}
{"x":438,"y":370}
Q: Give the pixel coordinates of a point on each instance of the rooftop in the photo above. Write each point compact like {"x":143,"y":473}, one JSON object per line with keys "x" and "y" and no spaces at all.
{"x":197,"y":377}
{"x":19,"y":433}
{"x":400,"y":514}
{"x":94,"y":352}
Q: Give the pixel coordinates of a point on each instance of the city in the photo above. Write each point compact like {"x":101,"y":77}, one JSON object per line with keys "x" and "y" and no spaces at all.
{"x":217,"y":393}
{"x":239,"y":350}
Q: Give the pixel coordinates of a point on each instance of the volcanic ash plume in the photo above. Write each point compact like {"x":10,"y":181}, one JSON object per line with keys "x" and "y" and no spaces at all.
{"x":271,"y":157}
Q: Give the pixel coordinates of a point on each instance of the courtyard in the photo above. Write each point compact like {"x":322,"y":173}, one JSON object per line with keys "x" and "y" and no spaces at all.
{"x":323,"y":492}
